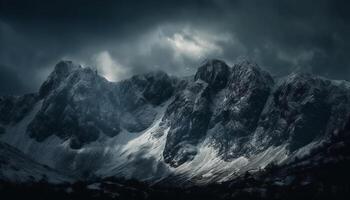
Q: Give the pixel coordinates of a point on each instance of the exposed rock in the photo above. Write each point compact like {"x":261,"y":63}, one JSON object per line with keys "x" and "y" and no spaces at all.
{"x":237,"y":109}
{"x":188,"y":117}
{"x":302,"y":108}
{"x":215,"y":73}
{"x":228,"y":100}
{"x":79,"y":105}
{"x":61,"y":71}
{"x":156,"y":87}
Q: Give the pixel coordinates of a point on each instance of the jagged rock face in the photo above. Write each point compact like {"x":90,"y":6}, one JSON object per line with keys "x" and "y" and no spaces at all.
{"x":237,"y":109}
{"x":62,"y":70}
{"x":241,"y":113}
{"x":79,"y":105}
{"x":14,"y":108}
{"x":156,"y":87}
{"x":225,"y":100}
{"x":139,"y":96}
{"x":215,"y":73}
{"x":188,"y":116}
{"x":302,"y":109}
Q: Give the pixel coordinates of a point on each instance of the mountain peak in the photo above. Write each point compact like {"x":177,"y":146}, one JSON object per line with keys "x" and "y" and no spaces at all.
{"x":156,"y":86}
{"x":61,"y":71}
{"x":155,"y":74}
{"x":247,"y":67}
{"x":64,"y":67}
{"x":247,"y":72}
{"x":247,"y":63}
{"x":214,"y":72}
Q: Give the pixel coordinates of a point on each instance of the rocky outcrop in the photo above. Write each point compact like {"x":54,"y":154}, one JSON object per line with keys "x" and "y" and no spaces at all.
{"x":79,"y":105}
{"x":237,"y":109}
{"x":301,"y":109}
{"x":221,"y":102}
{"x":215,"y":73}
{"x":242,"y":112}
{"x":188,"y":117}
{"x":62,"y":70}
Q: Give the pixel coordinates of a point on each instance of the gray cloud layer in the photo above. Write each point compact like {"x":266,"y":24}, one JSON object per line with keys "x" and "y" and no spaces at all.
{"x":122,"y":38}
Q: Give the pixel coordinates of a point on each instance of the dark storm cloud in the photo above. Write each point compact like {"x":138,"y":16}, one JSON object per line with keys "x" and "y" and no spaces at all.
{"x":122,"y":38}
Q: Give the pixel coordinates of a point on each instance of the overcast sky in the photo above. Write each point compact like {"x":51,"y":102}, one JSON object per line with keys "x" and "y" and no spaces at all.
{"x":122,"y":38}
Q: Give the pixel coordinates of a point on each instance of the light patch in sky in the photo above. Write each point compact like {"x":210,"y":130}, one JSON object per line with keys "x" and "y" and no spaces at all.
{"x":176,"y":49}
{"x":109,"y":67}
{"x":191,"y":44}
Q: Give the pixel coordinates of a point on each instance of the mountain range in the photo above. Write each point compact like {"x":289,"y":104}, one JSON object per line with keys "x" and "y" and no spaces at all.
{"x":212,"y":127}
